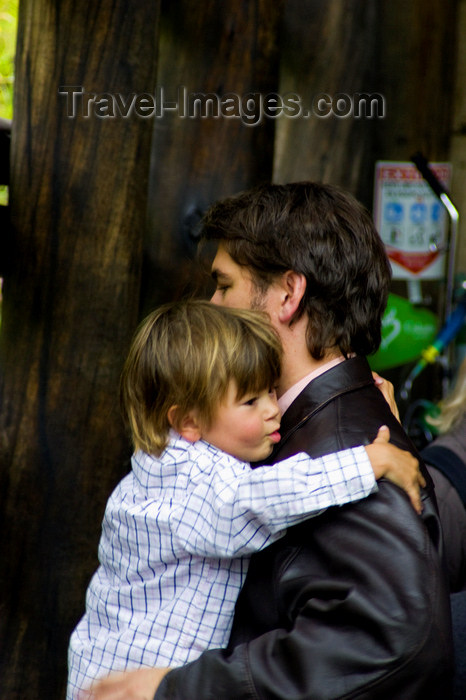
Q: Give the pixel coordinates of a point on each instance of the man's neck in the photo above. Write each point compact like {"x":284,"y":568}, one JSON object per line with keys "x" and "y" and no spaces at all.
{"x":297,"y":361}
{"x":286,"y":399}
{"x":296,"y":367}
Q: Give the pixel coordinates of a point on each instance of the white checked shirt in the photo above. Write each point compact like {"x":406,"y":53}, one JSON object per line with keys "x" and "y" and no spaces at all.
{"x":176,"y":540}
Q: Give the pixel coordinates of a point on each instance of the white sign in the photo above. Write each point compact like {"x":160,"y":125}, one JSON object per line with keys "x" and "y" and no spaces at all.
{"x":411,"y":220}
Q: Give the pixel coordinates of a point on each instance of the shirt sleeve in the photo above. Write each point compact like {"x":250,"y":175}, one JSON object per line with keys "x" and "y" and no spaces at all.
{"x":238,"y":510}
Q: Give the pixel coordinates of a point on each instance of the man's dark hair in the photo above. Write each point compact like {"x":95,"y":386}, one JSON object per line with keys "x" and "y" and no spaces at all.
{"x":324,"y":233}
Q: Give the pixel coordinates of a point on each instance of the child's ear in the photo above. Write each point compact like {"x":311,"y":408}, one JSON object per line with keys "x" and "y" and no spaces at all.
{"x":187,"y":426}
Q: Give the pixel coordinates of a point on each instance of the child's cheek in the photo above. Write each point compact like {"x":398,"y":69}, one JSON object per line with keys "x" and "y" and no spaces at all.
{"x":253,"y":431}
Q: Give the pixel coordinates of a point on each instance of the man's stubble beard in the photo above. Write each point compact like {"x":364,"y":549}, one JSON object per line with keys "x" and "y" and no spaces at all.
{"x":259,"y":298}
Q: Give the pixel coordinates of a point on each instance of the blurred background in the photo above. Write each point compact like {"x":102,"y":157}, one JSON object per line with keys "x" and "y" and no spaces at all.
{"x":106,"y":169}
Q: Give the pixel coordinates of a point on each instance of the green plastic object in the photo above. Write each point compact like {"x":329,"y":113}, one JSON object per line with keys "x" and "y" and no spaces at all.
{"x":406,"y":331}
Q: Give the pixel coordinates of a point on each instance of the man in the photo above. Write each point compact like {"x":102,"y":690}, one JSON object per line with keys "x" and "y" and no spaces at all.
{"x":353,"y":604}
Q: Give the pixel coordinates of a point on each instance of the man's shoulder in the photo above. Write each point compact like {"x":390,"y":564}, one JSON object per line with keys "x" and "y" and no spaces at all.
{"x":339,"y":409}
{"x":339,"y":381}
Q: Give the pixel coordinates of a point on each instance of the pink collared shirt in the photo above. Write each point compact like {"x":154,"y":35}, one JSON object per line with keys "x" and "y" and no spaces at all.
{"x":289,"y":396}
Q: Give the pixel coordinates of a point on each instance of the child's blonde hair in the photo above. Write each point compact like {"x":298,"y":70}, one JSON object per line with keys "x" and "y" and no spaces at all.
{"x":185,"y":354}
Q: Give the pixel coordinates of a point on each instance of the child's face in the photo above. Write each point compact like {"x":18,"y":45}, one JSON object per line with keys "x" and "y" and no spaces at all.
{"x":246,"y":428}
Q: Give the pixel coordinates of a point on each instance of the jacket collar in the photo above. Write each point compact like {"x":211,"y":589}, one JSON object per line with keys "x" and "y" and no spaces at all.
{"x":352,"y":374}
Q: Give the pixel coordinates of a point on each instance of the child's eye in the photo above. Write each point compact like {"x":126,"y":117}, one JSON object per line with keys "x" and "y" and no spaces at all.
{"x":251,"y":402}
{"x":222,"y":288}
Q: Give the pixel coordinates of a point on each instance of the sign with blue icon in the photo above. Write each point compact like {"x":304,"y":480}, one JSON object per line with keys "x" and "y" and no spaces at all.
{"x":410,"y":219}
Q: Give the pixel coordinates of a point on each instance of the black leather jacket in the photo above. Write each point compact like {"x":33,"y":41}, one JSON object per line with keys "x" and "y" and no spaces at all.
{"x":352,"y":604}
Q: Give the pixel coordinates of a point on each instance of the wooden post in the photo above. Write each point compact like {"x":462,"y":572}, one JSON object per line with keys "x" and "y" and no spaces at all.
{"x":215,"y":50}
{"x":416,"y":67}
{"x":401,"y":51}
{"x":328,"y":49}
{"x":71,"y":294}
{"x":458,"y":137}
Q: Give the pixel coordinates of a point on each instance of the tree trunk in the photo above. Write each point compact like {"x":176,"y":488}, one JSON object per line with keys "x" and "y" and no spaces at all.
{"x":416,"y":70}
{"x":78,"y":202}
{"x":218,"y":50}
{"x":328,"y":49}
{"x":404,"y":52}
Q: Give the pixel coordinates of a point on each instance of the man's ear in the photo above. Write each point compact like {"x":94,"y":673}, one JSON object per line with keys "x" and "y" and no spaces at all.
{"x":187,"y":426}
{"x":293,"y":287}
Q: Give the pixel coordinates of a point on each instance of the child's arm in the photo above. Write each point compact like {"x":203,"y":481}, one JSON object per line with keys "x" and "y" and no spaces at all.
{"x":236,"y":510}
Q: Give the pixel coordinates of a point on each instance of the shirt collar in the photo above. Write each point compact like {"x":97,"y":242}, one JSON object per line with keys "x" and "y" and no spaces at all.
{"x":289,"y":396}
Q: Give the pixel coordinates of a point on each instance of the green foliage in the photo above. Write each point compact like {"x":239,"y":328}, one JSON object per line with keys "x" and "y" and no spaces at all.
{"x":8,"y":22}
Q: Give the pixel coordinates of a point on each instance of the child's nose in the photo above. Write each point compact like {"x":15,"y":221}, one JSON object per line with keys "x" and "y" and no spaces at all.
{"x":272,"y":410}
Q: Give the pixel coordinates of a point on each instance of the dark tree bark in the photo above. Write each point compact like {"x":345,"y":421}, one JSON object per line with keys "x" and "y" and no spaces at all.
{"x":225,"y":48}
{"x":416,"y":61}
{"x":402,"y":51}
{"x":328,"y":48}
{"x":71,"y":294}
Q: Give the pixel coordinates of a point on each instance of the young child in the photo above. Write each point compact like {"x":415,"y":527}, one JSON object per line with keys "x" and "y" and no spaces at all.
{"x":198,"y":393}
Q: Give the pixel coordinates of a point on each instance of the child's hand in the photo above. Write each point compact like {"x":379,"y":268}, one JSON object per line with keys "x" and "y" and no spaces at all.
{"x":396,"y":465}
{"x":129,"y":685}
